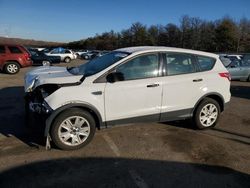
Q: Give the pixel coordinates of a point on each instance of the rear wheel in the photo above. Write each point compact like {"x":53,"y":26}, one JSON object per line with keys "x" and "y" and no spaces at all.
{"x":67,"y":60}
{"x":12,"y":68}
{"x":207,"y":114}
{"x":73,"y":129}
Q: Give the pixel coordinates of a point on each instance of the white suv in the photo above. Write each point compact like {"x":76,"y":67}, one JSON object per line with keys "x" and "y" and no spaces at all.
{"x":137,"y":84}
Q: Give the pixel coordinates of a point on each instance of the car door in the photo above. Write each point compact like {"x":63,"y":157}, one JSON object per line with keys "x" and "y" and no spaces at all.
{"x":181,"y":85}
{"x":137,"y":97}
{"x":235,"y":70}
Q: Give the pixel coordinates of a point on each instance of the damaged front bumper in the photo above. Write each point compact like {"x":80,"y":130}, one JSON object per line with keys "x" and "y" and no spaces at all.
{"x":36,"y":104}
{"x":39,"y":108}
{"x":36,"y":113}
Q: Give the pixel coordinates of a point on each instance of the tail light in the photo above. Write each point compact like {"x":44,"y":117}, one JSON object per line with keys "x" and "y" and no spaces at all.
{"x":225,"y":75}
{"x":27,"y":56}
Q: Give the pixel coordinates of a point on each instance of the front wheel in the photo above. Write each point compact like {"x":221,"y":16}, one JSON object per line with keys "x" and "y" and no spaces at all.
{"x":73,"y":129}
{"x":207,"y":114}
{"x":46,"y":63}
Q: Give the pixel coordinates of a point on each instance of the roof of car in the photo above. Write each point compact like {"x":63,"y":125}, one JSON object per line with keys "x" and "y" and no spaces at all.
{"x":139,"y":49}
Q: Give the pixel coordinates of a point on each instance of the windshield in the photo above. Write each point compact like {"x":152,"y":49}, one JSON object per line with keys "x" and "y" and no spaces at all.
{"x":98,"y":64}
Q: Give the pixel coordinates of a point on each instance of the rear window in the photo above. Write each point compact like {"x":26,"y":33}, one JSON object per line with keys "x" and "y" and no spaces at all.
{"x":2,"y":50}
{"x":14,"y":50}
{"x":206,"y":63}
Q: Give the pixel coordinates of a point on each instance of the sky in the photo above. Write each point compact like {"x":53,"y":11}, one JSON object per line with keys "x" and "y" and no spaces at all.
{"x":70,"y":20}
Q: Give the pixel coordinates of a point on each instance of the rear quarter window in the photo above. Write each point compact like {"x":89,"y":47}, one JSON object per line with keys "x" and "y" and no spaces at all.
{"x":14,"y":50}
{"x":206,"y":63}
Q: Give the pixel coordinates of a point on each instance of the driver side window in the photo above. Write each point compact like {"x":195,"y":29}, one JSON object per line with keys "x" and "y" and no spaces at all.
{"x":145,"y":66}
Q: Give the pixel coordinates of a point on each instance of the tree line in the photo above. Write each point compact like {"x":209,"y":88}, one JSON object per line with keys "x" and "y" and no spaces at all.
{"x":222,"y":35}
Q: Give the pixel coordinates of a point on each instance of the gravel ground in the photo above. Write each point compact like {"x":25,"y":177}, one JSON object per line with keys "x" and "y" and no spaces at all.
{"x":169,"y":154}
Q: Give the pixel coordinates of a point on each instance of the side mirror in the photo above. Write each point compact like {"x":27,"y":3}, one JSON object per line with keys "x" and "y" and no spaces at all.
{"x":114,"y":77}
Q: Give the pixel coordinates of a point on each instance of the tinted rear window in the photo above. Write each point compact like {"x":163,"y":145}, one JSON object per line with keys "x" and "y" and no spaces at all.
{"x":206,"y":63}
{"x":179,"y":63}
{"x":2,"y":50}
{"x":14,"y":50}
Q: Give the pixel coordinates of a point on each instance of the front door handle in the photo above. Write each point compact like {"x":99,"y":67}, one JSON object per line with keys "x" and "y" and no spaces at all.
{"x":153,"y":85}
{"x":198,"y":80}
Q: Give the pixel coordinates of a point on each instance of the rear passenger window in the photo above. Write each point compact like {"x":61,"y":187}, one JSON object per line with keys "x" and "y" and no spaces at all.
{"x":14,"y":50}
{"x":178,"y":63}
{"x":206,"y":63}
{"x":2,"y":50}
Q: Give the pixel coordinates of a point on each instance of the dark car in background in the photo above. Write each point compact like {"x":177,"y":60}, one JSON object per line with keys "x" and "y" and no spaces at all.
{"x":14,"y":57}
{"x":93,"y":54}
{"x":100,"y":54}
{"x":39,"y":58}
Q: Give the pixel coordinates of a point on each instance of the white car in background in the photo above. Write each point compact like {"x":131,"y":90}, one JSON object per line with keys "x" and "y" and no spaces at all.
{"x":65,"y":54}
{"x":137,"y":84}
{"x":80,"y":52}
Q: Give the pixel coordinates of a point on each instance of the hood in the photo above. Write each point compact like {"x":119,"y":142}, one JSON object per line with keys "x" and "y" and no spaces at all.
{"x":49,"y":75}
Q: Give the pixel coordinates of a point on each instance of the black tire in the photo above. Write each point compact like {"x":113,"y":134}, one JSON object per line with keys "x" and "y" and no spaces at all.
{"x":44,"y":63}
{"x":62,"y":117}
{"x":197,"y":113}
{"x":11,"y":68}
{"x":67,"y":59}
{"x":86,"y":57}
{"x":248,"y":79}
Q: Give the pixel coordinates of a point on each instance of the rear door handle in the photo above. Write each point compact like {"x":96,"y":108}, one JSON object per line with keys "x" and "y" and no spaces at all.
{"x":198,"y":80}
{"x":153,"y":85}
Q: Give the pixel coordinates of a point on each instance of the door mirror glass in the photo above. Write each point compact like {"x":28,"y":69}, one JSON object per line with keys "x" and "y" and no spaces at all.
{"x":114,"y":77}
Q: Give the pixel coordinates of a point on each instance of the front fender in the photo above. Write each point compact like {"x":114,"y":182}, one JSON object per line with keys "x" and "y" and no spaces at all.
{"x":56,"y":112}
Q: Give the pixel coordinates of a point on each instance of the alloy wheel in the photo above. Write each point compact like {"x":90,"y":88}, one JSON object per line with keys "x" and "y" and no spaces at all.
{"x":208,"y":115}
{"x":74,"y":130}
{"x":12,"y":68}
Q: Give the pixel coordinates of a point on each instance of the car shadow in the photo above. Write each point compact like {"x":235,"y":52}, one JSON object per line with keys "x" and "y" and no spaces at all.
{"x":121,"y":172}
{"x":240,"y":91}
{"x":12,"y":115}
{"x":214,"y":131}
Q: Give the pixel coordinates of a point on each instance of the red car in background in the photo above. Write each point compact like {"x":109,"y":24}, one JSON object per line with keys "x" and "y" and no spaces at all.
{"x":14,"y":57}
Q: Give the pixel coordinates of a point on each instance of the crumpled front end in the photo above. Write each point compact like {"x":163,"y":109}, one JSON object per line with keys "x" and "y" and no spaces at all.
{"x":35,"y":101}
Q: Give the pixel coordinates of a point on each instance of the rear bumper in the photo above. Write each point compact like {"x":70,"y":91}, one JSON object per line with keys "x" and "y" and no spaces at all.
{"x":27,"y":63}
